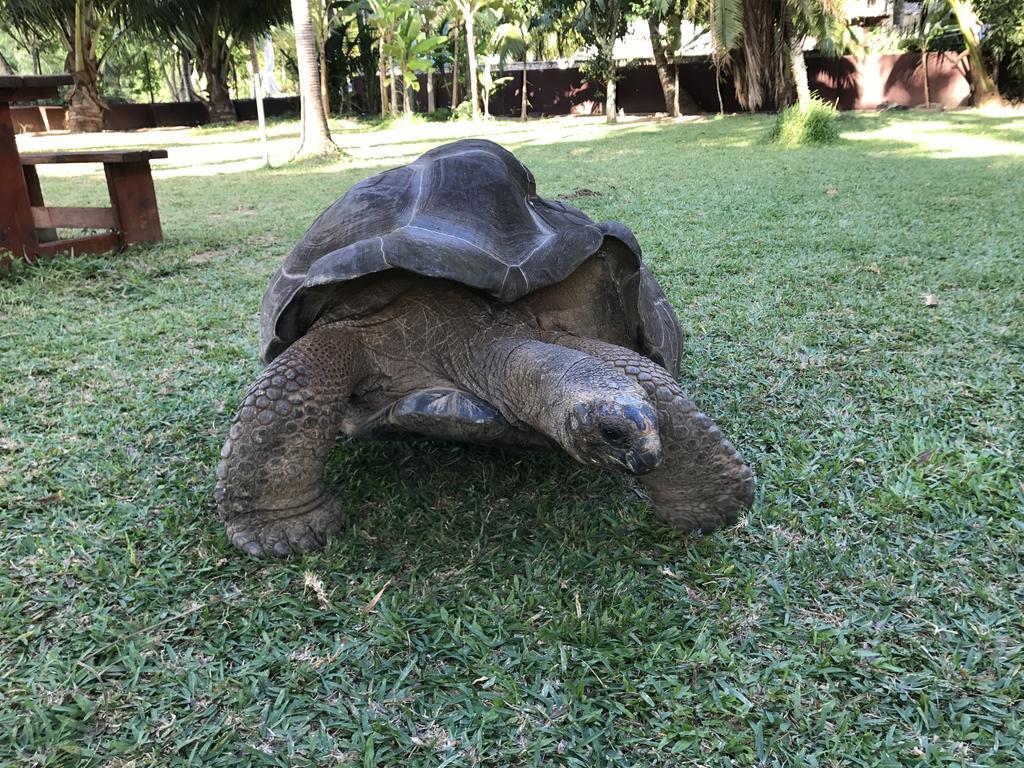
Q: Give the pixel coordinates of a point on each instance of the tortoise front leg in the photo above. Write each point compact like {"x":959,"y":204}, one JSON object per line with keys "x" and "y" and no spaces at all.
{"x":270,"y":489}
{"x":702,"y":483}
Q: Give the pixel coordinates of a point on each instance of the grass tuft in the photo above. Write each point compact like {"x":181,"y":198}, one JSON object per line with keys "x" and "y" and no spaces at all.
{"x":798,"y":126}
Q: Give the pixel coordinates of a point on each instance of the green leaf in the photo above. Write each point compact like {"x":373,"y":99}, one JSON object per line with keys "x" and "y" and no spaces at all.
{"x":726,"y":24}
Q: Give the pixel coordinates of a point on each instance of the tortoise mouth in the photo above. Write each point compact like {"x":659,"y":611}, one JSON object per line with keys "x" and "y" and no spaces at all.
{"x":643,"y":461}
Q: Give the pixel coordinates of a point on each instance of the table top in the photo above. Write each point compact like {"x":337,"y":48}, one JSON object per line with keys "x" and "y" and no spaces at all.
{"x":101,"y":156}
{"x":34,"y":81}
{"x":31,"y":87}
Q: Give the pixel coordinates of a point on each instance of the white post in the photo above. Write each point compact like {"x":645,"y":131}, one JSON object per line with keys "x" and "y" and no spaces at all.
{"x":262,"y":119}
{"x":257,"y":91}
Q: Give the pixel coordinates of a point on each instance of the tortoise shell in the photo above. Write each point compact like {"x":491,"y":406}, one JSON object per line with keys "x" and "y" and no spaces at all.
{"x":467,"y":212}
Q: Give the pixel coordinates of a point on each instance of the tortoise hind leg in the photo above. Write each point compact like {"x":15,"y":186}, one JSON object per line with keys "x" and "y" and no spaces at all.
{"x":270,"y":489}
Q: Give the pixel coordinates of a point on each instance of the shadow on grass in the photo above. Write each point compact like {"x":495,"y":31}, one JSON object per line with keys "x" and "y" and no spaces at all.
{"x":423,"y":500}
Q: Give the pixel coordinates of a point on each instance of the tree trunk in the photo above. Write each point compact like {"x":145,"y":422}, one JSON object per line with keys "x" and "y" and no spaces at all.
{"x":675,"y":89}
{"x":924,"y":64}
{"x":316,"y":136}
{"x":213,"y":61}
{"x":718,"y":87}
{"x":85,"y":107}
{"x":186,"y":76}
{"x":37,"y":66}
{"x":381,"y":63}
{"x":257,"y":94}
{"x":799,"y":68}
{"x":662,"y":56}
{"x":394,"y":86}
{"x":431,"y":101}
{"x":526,"y":102}
{"x":368,"y":65}
{"x":322,"y":66}
{"x":170,"y":77}
{"x":406,"y":97}
{"x":983,"y":87}
{"x":455,"y":71}
{"x":610,"y":110}
{"x":471,"y":56}
{"x":761,"y":65}
{"x":486,"y":95}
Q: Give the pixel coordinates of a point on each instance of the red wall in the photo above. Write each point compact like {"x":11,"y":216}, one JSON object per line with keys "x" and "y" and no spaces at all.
{"x":850,"y":82}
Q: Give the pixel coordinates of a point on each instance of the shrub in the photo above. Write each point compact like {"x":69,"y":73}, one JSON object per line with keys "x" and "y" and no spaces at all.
{"x":463,"y":112}
{"x":817,"y":123}
{"x":439,"y":115}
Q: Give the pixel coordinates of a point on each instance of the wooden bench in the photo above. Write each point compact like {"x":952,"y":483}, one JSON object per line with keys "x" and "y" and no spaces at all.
{"x":28,"y":227}
{"x":132,"y":217}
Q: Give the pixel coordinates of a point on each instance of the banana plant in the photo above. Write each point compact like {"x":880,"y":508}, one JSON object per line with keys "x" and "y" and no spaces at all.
{"x":411,"y":50}
{"x":511,"y":38}
{"x":384,"y":17}
{"x":469,"y":9}
{"x":932,"y":23}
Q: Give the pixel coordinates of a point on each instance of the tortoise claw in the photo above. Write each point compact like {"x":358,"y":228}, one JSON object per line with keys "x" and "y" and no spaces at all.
{"x":280,"y":534}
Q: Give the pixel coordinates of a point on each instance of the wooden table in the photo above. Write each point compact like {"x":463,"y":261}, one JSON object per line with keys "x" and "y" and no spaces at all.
{"x":28,"y":226}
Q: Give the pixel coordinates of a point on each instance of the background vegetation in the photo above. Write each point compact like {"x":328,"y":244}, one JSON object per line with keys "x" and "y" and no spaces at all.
{"x":182,"y":49}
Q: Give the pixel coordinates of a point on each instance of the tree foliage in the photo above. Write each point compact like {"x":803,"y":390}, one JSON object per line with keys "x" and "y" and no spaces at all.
{"x":208,"y":30}
{"x":1003,"y":40}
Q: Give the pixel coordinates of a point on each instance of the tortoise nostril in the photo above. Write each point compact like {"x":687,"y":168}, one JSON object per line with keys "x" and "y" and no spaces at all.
{"x":642,"y":462}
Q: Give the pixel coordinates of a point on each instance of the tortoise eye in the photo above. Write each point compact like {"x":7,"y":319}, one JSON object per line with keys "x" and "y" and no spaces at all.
{"x":612,"y":434}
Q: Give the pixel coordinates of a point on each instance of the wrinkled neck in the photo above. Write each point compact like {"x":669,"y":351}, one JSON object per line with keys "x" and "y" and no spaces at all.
{"x":536,"y":384}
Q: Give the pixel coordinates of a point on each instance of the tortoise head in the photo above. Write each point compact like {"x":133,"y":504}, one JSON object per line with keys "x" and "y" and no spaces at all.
{"x":614,"y":431}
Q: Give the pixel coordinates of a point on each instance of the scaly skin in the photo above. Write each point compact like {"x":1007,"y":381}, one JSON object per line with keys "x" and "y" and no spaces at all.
{"x":270,"y":489}
{"x":702,"y":483}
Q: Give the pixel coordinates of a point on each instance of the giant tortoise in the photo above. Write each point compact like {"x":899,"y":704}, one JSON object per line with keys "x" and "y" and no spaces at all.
{"x":446,"y":300}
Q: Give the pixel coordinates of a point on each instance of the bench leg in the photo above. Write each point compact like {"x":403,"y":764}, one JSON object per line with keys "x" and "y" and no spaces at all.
{"x":133,"y":199}
{"x":17,"y":230}
{"x":35,"y":197}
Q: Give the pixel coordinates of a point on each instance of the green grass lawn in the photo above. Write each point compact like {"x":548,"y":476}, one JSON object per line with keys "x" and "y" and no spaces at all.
{"x":867,"y":611}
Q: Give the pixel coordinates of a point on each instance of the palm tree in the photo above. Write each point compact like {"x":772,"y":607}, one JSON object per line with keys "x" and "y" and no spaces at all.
{"x":931,"y":23}
{"x":726,"y":24}
{"x":763,"y":41}
{"x":316,"y":136}
{"x":820,"y":18}
{"x":78,"y":24}
{"x":326,"y":16}
{"x":85,"y":108}
{"x":454,"y":31}
{"x":430,"y":15}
